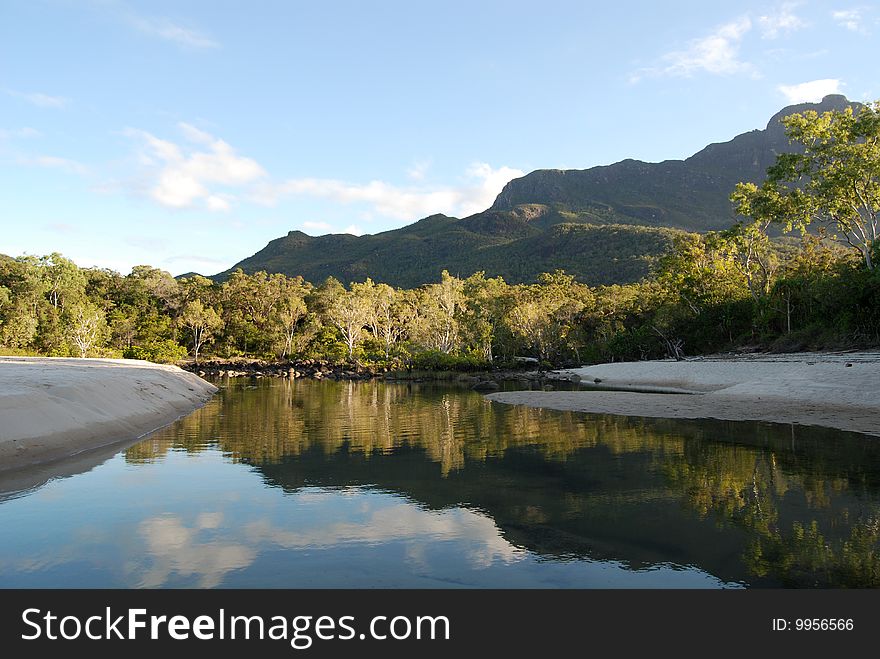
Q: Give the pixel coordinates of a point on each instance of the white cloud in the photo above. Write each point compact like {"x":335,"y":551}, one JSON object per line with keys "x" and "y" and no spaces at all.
{"x":54,"y":162}
{"x":717,"y":53}
{"x":396,"y":523}
{"x":193,"y":134}
{"x":180,"y":550}
{"x":811,"y":91}
{"x":219,"y":203}
{"x":39,"y":99}
{"x":478,"y":190}
{"x":354,"y":230}
{"x":851,"y":19}
{"x":168,"y":31}
{"x":180,"y":177}
{"x":782,"y":21}
{"x":491,"y":182}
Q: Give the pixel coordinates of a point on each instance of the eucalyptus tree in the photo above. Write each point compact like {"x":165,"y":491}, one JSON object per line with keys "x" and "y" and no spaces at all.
{"x":201,"y":321}
{"x":25,"y":296}
{"x":441,"y":305}
{"x":544,"y":315}
{"x":290,"y":309}
{"x":349,"y":312}
{"x":388,"y":313}
{"x":833,"y":179}
{"x":86,"y":326}
{"x":65,"y":282}
{"x":488,"y":300}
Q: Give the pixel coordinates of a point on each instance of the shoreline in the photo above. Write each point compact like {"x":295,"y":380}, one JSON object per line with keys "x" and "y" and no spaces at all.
{"x":53,"y":408}
{"x":833,"y":390}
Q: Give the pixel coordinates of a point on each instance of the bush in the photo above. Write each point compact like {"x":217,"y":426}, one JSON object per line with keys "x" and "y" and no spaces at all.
{"x":435,"y":360}
{"x":161,"y":352}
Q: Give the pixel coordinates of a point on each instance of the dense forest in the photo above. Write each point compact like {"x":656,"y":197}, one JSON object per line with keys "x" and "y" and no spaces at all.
{"x":710,"y":292}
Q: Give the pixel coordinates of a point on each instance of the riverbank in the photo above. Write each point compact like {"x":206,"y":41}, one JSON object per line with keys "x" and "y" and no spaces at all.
{"x":52,"y":408}
{"x":835,"y":390}
{"x":316,"y":369}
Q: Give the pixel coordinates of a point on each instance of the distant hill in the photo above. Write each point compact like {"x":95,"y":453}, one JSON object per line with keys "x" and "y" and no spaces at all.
{"x":500,"y":244}
{"x":604,"y":224}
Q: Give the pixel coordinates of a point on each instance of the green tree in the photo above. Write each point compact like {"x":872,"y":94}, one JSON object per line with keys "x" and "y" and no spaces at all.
{"x":65,"y":282}
{"x":543,"y":315}
{"x":202,"y":322}
{"x":22,"y":277}
{"x":834,"y":180}
{"x":388,"y":314}
{"x":440,"y":307}
{"x":290,"y":310}
{"x":249,"y":302}
{"x":349,"y":312}
{"x":487,"y":302}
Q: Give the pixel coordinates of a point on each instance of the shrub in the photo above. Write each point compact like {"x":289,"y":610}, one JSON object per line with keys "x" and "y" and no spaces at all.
{"x":435,"y":360}
{"x":161,"y":352}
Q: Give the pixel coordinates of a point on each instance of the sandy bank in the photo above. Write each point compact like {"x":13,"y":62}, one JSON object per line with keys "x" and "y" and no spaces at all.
{"x":836,"y":390}
{"x":51,"y":408}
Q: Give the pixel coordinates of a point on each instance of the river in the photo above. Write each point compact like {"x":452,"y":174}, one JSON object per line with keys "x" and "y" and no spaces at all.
{"x":305,"y":483}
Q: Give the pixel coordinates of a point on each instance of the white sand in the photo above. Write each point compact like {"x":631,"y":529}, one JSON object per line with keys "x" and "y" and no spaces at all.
{"x":52,"y":408}
{"x":837,"y":390}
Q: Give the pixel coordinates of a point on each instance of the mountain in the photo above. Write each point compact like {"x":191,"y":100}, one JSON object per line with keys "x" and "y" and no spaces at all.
{"x":689,"y":194}
{"x":604,"y":225}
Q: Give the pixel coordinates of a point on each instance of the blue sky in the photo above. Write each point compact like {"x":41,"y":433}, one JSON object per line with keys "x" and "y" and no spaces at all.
{"x":186,"y":135}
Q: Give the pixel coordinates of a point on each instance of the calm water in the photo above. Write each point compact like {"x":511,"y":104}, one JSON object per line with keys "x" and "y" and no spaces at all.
{"x":327,"y":484}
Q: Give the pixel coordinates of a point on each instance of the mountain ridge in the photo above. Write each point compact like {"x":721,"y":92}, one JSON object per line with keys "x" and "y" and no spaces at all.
{"x":647,"y":204}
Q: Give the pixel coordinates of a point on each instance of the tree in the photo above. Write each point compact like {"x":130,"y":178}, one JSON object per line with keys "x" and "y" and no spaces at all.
{"x":388,"y":313}
{"x":543,"y":314}
{"x":202,"y":322}
{"x":488,"y":301}
{"x":834,"y":180}
{"x":249,"y":303}
{"x":440,"y":306}
{"x":290,"y":309}
{"x":349,"y":312}
{"x":65,"y":282}
{"x":753,"y":254}
{"x":86,"y":326}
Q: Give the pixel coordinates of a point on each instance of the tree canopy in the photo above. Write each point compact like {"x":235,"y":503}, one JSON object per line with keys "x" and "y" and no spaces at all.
{"x":833,"y":179}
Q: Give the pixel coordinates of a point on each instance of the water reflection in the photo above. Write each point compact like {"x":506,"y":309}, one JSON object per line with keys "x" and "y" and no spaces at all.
{"x":382,"y":484}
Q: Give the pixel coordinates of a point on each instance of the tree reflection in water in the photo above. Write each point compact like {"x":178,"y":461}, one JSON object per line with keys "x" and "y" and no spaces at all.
{"x":752,"y":502}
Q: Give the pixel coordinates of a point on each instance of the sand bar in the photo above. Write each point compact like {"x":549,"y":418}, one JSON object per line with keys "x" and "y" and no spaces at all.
{"x":835,"y":390}
{"x":53,"y":408}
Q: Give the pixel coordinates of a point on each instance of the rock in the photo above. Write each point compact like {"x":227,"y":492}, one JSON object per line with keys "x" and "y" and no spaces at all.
{"x":487,"y":385}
